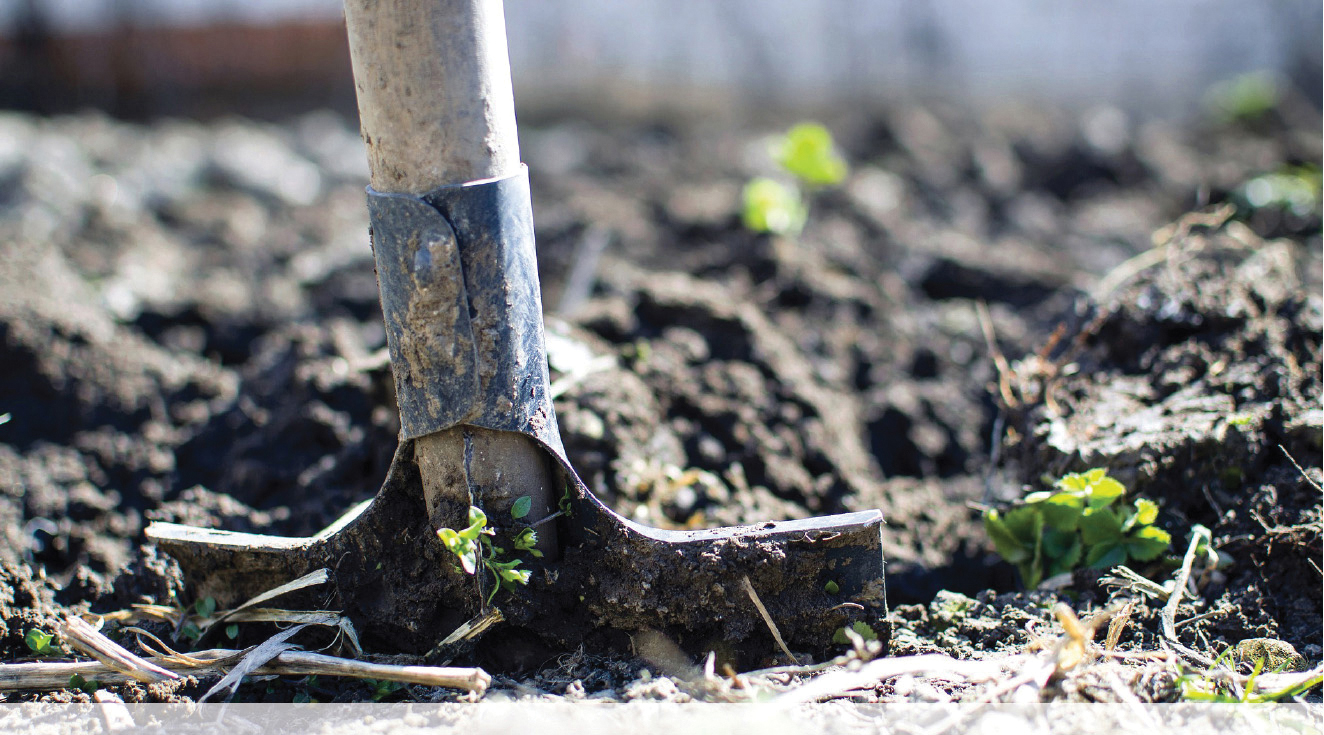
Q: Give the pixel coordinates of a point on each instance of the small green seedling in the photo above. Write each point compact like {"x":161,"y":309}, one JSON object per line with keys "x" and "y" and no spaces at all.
{"x":1245,"y":98}
{"x":88,"y":687}
{"x":1294,"y":189}
{"x":1080,"y":523}
{"x":473,"y":547}
{"x":809,"y":156}
{"x":565,"y":504}
{"x":771,"y":206}
{"x":831,"y":587}
{"x":383,"y":689}
{"x":860,"y":628}
{"x":39,"y":642}
{"x":232,"y":631}
{"x":205,"y":607}
{"x":807,"y":153}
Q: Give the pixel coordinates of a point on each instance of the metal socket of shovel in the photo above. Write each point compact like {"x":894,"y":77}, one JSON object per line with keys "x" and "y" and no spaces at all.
{"x":452,"y":236}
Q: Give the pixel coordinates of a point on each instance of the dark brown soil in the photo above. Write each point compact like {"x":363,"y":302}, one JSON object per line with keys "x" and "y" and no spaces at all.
{"x":189,"y":332}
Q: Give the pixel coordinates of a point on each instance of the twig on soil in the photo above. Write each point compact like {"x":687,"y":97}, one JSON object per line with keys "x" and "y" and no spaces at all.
{"x":464,"y":636}
{"x":54,"y":676}
{"x":776,"y":634}
{"x":94,"y":643}
{"x":1125,"y":577}
{"x":164,"y":652}
{"x":1201,"y":616}
{"x":1168,"y":616}
{"x":994,"y":454}
{"x":548,"y":519}
{"x":1308,"y":478}
{"x":310,"y":579}
{"x":1117,"y":625}
{"x":875,"y":672}
{"x":252,"y":660}
{"x":999,"y":359}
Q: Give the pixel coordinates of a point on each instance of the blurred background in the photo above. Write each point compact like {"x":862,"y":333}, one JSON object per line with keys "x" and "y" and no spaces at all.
{"x":265,"y":58}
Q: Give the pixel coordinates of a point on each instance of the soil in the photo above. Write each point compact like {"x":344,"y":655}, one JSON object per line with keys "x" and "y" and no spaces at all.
{"x":190,"y":332}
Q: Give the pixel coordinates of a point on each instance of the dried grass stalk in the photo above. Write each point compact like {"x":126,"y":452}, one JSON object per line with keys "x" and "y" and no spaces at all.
{"x":82,"y":636}
{"x":50,"y":676}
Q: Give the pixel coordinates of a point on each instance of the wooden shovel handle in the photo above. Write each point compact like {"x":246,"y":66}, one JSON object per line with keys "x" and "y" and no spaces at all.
{"x":433,"y":82}
{"x":436,"y":108}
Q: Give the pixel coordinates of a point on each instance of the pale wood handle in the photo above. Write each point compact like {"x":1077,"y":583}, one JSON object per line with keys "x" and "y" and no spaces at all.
{"x":436,"y":108}
{"x":433,"y":84}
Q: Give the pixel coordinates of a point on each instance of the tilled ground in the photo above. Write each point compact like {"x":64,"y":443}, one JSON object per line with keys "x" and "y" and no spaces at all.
{"x":189,"y":332}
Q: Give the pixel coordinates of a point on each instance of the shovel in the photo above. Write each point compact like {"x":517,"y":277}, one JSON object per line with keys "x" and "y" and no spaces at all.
{"x":481,"y":511}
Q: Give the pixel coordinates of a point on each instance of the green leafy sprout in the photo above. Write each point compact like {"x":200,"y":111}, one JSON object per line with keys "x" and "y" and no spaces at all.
{"x":806,"y":152}
{"x":860,"y":628}
{"x":771,"y":206}
{"x":381,"y":689}
{"x":88,"y":687}
{"x":1082,"y":522}
{"x":1245,"y":98}
{"x":1294,"y":189}
{"x":40,"y":642}
{"x":473,"y":547}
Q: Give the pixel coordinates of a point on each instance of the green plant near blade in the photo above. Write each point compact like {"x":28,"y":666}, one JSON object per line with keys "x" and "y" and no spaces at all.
{"x":473,"y":548}
{"x":1082,"y":522}
{"x":806,"y":152}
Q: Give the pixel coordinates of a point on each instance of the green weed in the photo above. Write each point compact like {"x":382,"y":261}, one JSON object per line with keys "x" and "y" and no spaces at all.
{"x":381,"y":689}
{"x":1080,"y":523}
{"x":40,"y":642}
{"x":858,"y":627}
{"x":1294,"y":189}
{"x":807,"y":154}
{"x":473,"y":548}
{"x":88,"y":687}
{"x":1245,"y":98}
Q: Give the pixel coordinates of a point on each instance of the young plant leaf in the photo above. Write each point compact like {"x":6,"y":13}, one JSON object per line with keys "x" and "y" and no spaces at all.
{"x":1148,"y":543}
{"x":1062,"y":511}
{"x":1146,"y":513}
{"x":1008,"y":546}
{"x":771,"y":206}
{"x":807,"y":153}
{"x":1106,"y":555}
{"x":521,"y":507}
{"x":1104,"y":492}
{"x":1099,"y":525}
{"x":1063,"y":549}
{"x":39,"y":642}
{"x":205,"y":607}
